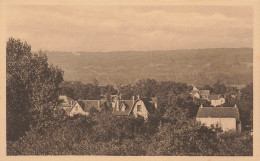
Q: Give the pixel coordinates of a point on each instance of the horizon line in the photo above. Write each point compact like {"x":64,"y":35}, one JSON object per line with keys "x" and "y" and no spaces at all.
{"x":141,"y":50}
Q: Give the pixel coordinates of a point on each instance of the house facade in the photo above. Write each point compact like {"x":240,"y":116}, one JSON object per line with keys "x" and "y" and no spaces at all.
{"x":204,"y":94}
{"x":226,"y":118}
{"x":216,"y":100}
{"x":200,"y":94}
{"x":138,"y":107}
{"x":71,"y":106}
{"x":135,"y":107}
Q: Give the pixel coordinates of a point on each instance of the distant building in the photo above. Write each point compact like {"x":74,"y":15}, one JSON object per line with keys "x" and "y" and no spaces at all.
{"x":226,"y":118}
{"x":198,"y":93}
{"x":71,"y":106}
{"x":138,"y":107}
{"x":216,"y":100}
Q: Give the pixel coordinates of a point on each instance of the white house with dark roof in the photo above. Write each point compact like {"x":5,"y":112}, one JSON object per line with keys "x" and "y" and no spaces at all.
{"x":216,"y":100}
{"x":138,"y":107}
{"x":198,"y":93}
{"x":87,"y":105}
{"x":71,"y":106}
{"x":227,"y":118}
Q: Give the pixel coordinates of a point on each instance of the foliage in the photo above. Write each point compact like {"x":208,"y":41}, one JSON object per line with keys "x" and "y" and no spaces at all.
{"x":219,"y":88}
{"x":109,"y":135}
{"x":126,"y":92}
{"x":77,"y":90}
{"x":32,"y":88}
{"x":245,"y":105}
{"x":235,"y":144}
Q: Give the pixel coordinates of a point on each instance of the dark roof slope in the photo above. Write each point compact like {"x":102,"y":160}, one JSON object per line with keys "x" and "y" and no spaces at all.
{"x":203,"y":92}
{"x":149,"y":105}
{"x":128,"y":103}
{"x":66,"y":101}
{"x":88,"y":104}
{"x":214,"y":97}
{"x":216,"y":112}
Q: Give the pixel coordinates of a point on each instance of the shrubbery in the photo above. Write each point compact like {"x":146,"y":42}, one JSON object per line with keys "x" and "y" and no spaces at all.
{"x":35,"y":126}
{"x":105,"y":134}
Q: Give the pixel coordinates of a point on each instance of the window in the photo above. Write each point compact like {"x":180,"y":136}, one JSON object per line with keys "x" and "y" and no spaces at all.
{"x":138,"y":108}
{"x":123,"y":107}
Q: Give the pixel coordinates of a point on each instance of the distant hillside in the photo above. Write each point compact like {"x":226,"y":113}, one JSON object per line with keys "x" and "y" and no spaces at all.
{"x":233,"y":66}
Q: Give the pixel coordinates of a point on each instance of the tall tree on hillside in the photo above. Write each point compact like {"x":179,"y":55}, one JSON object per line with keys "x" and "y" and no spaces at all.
{"x":127,"y":91}
{"x":245,"y":106}
{"x":32,"y":88}
{"x":145,"y":88}
{"x":219,"y":88}
{"x":95,"y":82}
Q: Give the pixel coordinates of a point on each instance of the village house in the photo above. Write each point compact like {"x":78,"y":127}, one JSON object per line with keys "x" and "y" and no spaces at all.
{"x":226,"y":118}
{"x":138,"y":107}
{"x":216,"y":100}
{"x":71,"y":106}
{"x":88,"y":105}
{"x":200,"y":94}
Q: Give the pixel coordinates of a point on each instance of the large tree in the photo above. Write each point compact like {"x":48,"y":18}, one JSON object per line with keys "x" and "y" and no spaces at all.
{"x":245,"y":106}
{"x":32,"y":88}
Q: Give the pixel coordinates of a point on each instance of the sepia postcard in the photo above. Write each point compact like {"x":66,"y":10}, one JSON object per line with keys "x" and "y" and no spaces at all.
{"x":130,"y":80}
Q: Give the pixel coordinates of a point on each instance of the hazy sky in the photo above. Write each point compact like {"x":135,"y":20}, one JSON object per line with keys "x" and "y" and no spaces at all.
{"x":114,"y":28}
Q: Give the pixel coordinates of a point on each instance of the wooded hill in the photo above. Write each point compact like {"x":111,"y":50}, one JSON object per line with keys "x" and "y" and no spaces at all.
{"x":232,"y":66}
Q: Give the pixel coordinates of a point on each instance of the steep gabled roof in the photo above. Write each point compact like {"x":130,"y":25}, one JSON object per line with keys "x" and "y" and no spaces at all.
{"x":129,"y":105}
{"x":193,"y":92}
{"x":218,"y":112}
{"x":150,"y":106}
{"x":66,"y":101}
{"x":88,"y":104}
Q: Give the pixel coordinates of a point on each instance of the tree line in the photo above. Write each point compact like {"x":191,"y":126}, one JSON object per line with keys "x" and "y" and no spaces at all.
{"x":35,"y":126}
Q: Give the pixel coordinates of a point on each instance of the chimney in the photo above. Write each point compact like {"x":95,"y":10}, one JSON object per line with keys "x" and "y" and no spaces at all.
{"x":138,"y":97}
{"x":133,"y":98}
{"x":117,"y":105}
{"x":201,"y":106}
{"x":155,"y":100}
{"x":98,"y":104}
{"x":155,"y":105}
{"x":235,"y":106}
